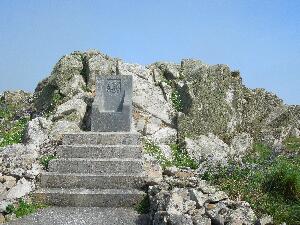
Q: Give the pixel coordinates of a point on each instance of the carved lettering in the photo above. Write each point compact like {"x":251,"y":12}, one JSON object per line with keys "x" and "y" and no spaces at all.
{"x":113,"y":86}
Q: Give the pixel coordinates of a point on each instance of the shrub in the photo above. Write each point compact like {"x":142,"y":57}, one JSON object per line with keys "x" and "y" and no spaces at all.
{"x":44,"y":160}
{"x":283,"y":178}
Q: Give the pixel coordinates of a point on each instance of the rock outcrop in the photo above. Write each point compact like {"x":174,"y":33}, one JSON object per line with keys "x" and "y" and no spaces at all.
{"x":202,"y":108}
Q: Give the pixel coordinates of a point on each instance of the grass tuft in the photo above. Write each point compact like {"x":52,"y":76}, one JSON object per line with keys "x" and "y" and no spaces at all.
{"x":44,"y":160}
{"x":23,"y":208}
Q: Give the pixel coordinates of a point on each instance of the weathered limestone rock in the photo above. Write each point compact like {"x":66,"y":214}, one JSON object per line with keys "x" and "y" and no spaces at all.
{"x":143,"y":92}
{"x":17,"y":159}
{"x":22,"y":188}
{"x":66,"y":75}
{"x":207,"y":148}
{"x":73,"y":110}
{"x":37,"y":131}
{"x":63,"y":126}
{"x":165,"y":135}
{"x":241,"y":143}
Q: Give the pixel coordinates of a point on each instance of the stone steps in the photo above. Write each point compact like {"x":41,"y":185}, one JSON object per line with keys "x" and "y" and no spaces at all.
{"x":92,"y":181}
{"x":101,"y":138}
{"x":96,"y":166}
{"x":89,"y":197}
{"x":99,"y":151}
{"x":94,"y":170}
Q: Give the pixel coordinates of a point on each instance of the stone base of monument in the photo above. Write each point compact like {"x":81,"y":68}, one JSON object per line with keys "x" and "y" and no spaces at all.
{"x":94,"y":169}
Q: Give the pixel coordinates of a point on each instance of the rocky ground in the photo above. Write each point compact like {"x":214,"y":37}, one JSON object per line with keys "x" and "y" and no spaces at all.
{"x":190,"y":114}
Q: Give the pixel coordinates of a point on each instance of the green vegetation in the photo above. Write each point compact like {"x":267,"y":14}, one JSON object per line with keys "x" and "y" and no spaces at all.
{"x":270,"y":183}
{"x":15,"y":134}
{"x":23,"y":208}
{"x":292,"y":144}
{"x":156,"y":152}
{"x":177,"y":101}
{"x":56,"y":100}
{"x":12,"y":125}
{"x":179,"y":157}
{"x":144,"y":206}
{"x":44,"y":160}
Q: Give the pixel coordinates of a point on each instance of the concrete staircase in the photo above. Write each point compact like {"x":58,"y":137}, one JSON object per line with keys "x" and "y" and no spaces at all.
{"x":94,"y":170}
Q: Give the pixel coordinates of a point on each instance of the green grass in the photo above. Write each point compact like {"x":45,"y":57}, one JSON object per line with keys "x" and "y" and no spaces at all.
{"x":13,"y":133}
{"x":179,"y":157}
{"x":271,"y":184}
{"x":44,"y":160}
{"x":155,"y":151}
{"x":23,"y":208}
{"x":292,"y":144}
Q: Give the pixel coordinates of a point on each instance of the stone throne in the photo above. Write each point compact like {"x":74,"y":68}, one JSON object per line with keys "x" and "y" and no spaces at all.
{"x":112,"y":107}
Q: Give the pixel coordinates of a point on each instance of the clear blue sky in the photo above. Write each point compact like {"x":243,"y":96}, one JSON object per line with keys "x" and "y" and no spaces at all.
{"x":259,"y":38}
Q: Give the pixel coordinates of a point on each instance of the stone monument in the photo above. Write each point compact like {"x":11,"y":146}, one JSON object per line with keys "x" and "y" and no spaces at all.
{"x":112,"y":107}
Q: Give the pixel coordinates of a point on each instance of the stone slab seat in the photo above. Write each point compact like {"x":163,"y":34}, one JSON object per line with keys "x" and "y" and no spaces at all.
{"x":101,"y":138}
{"x":99,"y":151}
{"x":89,"y":197}
{"x":96,"y":166}
{"x":92,"y":181}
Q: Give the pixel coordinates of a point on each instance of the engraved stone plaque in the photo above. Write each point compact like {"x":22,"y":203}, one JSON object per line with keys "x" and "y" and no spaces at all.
{"x":112,"y":107}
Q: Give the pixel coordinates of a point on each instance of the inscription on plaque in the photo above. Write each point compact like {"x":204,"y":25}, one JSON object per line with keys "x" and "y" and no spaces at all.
{"x":113,"y":86}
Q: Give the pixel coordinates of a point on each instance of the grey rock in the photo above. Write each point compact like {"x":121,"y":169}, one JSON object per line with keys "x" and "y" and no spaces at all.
{"x":217,"y":196}
{"x":17,"y":159}
{"x":198,"y":197}
{"x":2,"y":189}
{"x":166,"y":150}
{"x":98,"y":64}
{"x":143,"y":90}
{"x":201,"y":220}
{"x":209,"y":148}
{"x":3,"y":205}
{"x":153,"y":170}
{"x":165,"y":135}
{"x":8,"y":181}
{"x":22,"y":188}
{"x":37,"y":131}
{"x":2,"y":219}
{"x":265,"y":220}
{"x":72,"y":110}
{"x":179,"y":219}
{"x":63,"y":126}
{"x":153,"y":125}
{"x":241,"y":143}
